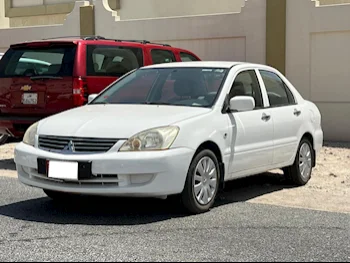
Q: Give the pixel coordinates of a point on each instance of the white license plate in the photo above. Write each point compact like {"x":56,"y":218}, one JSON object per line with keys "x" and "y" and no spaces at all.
{"x":63,"y":170}
{"x":30,"y":98}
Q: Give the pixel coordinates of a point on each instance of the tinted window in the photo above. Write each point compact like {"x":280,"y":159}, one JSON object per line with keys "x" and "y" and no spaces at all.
{"x":160,"y":56}
{"x":247,"y":84}
{"x":58,"y":61}
{"x":112,"y":61}
{"x":185,"y":57}
{"x":276,"y":89}
{"x":290,"y":95}
{"x":170,"y":86}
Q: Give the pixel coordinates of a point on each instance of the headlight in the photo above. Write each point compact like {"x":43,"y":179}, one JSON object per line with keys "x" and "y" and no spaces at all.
{"x":29,"y":136}
{"x":151,"y":140}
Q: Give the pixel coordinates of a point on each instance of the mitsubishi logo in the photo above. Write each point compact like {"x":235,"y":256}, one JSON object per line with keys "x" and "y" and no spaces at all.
{"x":70,"y":147}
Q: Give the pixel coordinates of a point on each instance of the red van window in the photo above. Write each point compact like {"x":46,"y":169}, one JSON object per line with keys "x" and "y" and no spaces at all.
{"x":185,"y":57}
{"x":112,"y":61}
{"x":29,"y":62}
{"x":160,"y":56}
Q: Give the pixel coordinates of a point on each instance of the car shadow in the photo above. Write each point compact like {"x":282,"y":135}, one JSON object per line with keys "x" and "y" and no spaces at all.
{"x":132,"y":211}
{"x":7,"y":164}
{"x":243,"y":190}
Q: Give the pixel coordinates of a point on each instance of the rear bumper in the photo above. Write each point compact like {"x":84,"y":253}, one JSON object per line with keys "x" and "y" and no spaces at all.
{"x":318,"y":140}
{"x":16,"y":126}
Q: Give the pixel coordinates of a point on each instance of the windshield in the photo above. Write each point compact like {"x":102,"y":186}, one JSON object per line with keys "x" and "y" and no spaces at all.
{"x":193,"y":87}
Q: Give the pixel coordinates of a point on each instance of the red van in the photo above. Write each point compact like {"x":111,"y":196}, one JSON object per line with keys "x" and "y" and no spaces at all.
{"x":42,"y":78}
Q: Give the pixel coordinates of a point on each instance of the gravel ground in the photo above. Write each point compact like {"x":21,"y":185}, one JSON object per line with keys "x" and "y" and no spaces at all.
{"x":328,"y":190}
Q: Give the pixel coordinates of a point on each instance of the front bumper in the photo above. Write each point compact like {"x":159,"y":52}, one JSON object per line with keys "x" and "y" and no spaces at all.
{"x":138,"y":174}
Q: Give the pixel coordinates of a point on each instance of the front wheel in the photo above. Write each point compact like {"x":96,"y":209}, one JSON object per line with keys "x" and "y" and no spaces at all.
{"x":3,"y":138}
{"x":300,"y":172}
{"x":202,"y":183}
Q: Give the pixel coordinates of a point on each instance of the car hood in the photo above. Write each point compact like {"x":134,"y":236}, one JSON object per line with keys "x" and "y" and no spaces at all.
{"x":115,"y":121}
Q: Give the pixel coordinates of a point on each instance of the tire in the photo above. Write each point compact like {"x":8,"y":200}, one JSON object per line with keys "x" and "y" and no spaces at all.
{"x":298,"y":174}
{"x":194,"y":198}
{"x":3,"y":138}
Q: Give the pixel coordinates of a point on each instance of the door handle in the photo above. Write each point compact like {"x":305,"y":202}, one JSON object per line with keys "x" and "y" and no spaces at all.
{"x":297,"y":112}
{"x":266,"y":117}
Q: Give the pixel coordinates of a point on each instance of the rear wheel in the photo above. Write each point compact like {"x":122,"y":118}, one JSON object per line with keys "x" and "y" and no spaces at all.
{"x":300,"y":172}
{"x":3,"y":138}
{"x":202,"y":183}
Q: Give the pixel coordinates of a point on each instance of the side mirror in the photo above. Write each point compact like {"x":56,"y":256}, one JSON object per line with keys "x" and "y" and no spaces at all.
{"x":242,"y":103}
{"x":92,"y":97}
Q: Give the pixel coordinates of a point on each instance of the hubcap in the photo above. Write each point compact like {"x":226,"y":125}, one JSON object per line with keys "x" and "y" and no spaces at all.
{"x":205,"y":181}
{"x":305,"y":161}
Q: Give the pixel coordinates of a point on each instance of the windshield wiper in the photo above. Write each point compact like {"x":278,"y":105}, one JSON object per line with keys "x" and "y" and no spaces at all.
{"x":44,"y":77}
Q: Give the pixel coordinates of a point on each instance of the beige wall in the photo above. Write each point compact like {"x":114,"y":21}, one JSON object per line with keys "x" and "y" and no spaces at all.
{"x":71,"y":26}
{"x":231,"y":36}
{"x":26,"y":13}
{"x":23,"y":3}
{"x":333,"y":2}
{"x":37,"y":20}
{"x":138,"y":9}
{"x":4,"y":21}
{"x":317,"y":60}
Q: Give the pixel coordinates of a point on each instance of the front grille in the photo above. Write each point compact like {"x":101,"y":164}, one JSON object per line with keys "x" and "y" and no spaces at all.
{"x":76,"y":145}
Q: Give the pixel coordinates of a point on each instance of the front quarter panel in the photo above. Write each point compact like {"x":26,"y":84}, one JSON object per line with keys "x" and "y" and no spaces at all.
{"x":211,"y":127}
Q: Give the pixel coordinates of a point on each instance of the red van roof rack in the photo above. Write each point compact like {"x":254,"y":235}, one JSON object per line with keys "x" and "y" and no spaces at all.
{"x":111,"y":39}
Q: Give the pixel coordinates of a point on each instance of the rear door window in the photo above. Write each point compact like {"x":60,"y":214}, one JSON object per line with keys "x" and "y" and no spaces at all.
{"x":277,"y":91}
{"x":28,"y":62}
{"x":112,"y":61}
{"x":160,"y":56}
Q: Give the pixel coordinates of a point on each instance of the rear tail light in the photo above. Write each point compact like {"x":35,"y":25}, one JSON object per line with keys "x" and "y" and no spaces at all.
{"x":80,"y":91}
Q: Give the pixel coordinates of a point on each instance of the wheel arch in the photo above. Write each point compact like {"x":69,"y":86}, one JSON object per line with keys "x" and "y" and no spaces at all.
{"x":310,"y":138}
{"x":210,"y":145}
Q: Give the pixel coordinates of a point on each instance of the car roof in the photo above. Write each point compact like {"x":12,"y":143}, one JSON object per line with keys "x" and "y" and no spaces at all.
{"x":204,"y":64}
{"x":211,"y":64}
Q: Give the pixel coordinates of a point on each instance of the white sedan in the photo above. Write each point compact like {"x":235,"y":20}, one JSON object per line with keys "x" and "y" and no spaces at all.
{"x":179,"y":129}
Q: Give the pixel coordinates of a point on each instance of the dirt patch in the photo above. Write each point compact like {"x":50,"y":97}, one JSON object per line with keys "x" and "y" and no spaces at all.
{"x":328,"y":190}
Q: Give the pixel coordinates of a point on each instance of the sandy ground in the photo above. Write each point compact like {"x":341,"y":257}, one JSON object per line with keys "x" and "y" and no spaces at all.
{"x":329,"y":189}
